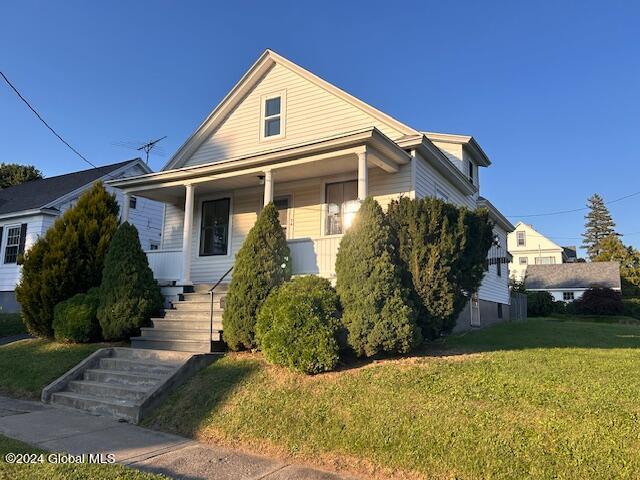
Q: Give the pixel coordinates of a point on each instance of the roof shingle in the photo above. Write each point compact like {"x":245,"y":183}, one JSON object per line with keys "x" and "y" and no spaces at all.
{"x":573,"y":275}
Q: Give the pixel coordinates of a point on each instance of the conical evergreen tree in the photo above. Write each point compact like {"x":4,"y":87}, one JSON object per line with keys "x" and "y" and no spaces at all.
{"x":68,"y":259}
{"x":262,"y":263}
{"x":377,"y":313}
{"x":598,"y":226}
{"x":129,"y":294}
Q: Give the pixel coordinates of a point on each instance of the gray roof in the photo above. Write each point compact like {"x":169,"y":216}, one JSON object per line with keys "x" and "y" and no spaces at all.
{"x":573,"y":275}
{"x":38,"y":193}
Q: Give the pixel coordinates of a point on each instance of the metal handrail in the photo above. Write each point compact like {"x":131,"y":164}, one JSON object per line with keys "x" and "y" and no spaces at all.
{"x":211,"y":294}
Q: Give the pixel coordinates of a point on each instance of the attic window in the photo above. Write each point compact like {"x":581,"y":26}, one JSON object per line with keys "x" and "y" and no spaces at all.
{"x":272,"y":117}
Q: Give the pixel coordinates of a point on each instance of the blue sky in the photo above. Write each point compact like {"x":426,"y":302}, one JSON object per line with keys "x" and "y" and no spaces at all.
{"x":549,"y":89}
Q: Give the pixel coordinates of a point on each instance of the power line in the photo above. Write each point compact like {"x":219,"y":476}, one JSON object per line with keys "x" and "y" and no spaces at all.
{"x":44,"y":121}
{"x":561,"y":212}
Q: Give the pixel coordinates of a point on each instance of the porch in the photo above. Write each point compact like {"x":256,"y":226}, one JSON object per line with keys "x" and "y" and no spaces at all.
{"x":317,"y":188}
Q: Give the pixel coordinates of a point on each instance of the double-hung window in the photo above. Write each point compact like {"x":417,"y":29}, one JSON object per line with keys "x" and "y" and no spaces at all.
{"x":341,"y":206}
{"x":520,"y":239}
{"x":524,"y":260}
{"x":13,"y":245}
{"x":214,"y":228}
{"x":272,"y":116}
{"x":568,"y":296}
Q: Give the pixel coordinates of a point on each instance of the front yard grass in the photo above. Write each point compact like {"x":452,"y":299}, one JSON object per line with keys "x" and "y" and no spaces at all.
{"x":52,"y":471}
{"x":11,"y":324}
{"x":27,"y":366}
{"x":541,"y":399}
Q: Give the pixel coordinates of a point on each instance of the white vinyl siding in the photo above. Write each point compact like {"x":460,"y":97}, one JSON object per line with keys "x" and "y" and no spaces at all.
{"x":36,"y":226}
{"x":429,"y":181}
{"x":495,"y":288}
{"x":312,"y":113}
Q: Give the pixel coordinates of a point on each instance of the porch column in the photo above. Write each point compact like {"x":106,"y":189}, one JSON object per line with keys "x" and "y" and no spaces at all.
{"x":186,"y":235}
{"x":268,"y":187}
{"x":363,"y":176}
{"x":125,"y":207}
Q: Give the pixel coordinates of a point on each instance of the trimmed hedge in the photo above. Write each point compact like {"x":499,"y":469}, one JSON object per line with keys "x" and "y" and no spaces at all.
{"x":75,"y":319}
{"x":632,"y":307}
{"x":600,"y":301}
{"x":67,"y":259}
{"x":261,"y":265}
{"x":377,"y":312}
{"x":129,"y":293}
{"x":298,"y":323}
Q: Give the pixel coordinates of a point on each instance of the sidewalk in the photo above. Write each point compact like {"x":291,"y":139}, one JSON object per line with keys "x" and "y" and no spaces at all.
{"x":59,"y":430}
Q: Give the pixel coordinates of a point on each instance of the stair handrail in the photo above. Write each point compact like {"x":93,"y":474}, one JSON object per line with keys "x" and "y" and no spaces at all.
{"x":211,"y":294}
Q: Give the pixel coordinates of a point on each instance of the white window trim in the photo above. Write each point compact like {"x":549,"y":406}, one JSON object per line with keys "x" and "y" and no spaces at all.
{"x":5,"y":242}
{"x":283,"y":115}
{"x":524,"y":239}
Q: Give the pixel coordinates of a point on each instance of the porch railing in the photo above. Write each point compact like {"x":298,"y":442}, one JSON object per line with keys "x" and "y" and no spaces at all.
{"x":315,"y":255}
{"x":166,"y":265}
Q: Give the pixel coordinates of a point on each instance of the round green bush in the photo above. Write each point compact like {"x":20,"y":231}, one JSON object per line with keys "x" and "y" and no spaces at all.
{"x":75,"y":320}
{"x":298,"y":323}
{"x":539,"y":304}
{"x":600,"y":301}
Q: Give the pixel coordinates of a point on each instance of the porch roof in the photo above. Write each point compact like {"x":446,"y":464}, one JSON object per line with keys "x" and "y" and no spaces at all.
{"x":329,"y":156}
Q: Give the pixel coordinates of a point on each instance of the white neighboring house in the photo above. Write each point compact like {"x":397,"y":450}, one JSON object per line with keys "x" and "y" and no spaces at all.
{"x":568,"y":281}
{"x":527,"y":246}
{"x":283,"y":134}
{"x":29,"y":209}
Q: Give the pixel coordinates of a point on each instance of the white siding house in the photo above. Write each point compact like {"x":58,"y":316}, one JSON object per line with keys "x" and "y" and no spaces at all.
{"x":28,"y":210}
{"x":283,"y":134}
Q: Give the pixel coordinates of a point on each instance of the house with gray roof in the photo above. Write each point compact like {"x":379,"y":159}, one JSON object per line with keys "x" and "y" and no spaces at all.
{"x":568,"y":281}
{"x":29,"y":209}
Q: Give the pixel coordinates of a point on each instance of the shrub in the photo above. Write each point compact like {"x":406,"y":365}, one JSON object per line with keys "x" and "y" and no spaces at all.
{"x":261,"y":265}
{"x":539,"y":304}
{"x":632,"y":307}
{"x":600,"y":301}
{"x":377,"y":313}
{"x":443,"y":250}
{"x":75,"y":319}
{"x":68,"y":259}
{"x":298,"y":323}
{"x":129,"y":293}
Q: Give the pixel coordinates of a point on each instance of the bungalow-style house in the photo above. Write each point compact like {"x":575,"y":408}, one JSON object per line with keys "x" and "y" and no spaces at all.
{"x":527,"y":246}
{"x":282,"y":134}
{"x":29,"y":209}
{"x":568,"y":281}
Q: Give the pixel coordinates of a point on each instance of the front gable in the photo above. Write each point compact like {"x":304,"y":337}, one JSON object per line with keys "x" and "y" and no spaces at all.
{"x":312,"y":110}
{"x":534,"y":240}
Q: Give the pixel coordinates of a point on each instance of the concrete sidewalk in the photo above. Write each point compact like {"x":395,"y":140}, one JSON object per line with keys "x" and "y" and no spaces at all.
{"x":62,"y":430}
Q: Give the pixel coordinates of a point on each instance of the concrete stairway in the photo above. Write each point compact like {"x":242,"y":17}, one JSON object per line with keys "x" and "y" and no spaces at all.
{"x":121,"y":382}
{"x":186,"y":326}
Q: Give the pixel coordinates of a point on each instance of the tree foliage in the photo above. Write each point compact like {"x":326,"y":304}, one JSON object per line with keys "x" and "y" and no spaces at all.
{"x":298,"y":323}
{"x":377,"y":312}
{"x":262,"y":263}
{"x":129,"y":294}
{"x":12,"y":174}
{"x":540,"y":304}
{"x":443,"y":249}
{"x":75,"y":320}
{"x":611,"y":249}
{"x":68,"y":259}
{"x":600,"y":301}
{"x":598,"y":226}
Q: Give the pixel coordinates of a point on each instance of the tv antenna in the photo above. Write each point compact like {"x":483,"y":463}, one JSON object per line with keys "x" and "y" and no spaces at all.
{"x":145,"y":147}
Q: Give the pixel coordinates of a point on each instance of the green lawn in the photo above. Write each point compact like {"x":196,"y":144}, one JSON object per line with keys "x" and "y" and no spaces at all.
{"x":11,"y":324}
{"x":542,"y":399}
{"x":61,"y":471}
{"x":28,"y":366}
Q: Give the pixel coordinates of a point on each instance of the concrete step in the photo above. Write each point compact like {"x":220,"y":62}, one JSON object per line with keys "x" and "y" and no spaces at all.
{"x":127,"y":379}
{"x":196,"y":306}
{"x":206,"y":287}
{"x":174,"y":345}
{"x":124,"y":409}
{"x":157,"y":356}
{"x":178,"y":324}
{"x":165,"y":334}
{"x":106,"y":390}
{"x":203,"y":315}
{"x":135,"y":366}
{"x":202,"y":297}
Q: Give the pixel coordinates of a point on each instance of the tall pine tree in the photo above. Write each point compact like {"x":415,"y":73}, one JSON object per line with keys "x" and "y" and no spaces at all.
{"x":599,"y":225}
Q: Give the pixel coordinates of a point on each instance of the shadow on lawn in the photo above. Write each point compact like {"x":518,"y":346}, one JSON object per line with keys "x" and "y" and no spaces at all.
{"x":200,"y":398}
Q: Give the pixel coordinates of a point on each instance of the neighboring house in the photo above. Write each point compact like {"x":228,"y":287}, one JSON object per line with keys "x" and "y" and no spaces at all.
{"x":29,"y":209}
{"x":283,"y":134}
{"x":529,"y":247}
{"x":568,"y":281}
